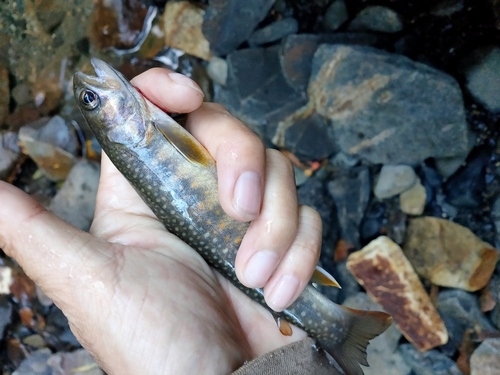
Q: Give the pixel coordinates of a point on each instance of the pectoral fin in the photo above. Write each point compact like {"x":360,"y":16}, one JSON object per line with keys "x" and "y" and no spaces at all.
{"x":184,"y":142}
{"x":321,"y":277}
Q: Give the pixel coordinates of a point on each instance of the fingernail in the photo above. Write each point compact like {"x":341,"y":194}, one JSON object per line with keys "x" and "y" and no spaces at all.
{"x":283,"y":292}
{"x":248,"y":194}
{"x":260,"y":267}
{"x":185,"y":81}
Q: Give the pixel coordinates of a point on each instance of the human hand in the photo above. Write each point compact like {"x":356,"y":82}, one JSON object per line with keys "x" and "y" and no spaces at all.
{"x":138,"y":298}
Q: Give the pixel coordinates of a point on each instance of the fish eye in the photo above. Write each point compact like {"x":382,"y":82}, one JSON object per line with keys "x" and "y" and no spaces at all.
{"x":89,"y":99}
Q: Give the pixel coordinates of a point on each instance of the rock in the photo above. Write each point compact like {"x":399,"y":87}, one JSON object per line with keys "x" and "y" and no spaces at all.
{"x":495,"y":215}
{"x":9,"y":153}
{"x":449,"y":254}
{"x":412,"y":201}
{"x":4,"y":94}
{"x":335,"y":16}
{"x":382,"y":355}
{"x":78,"y":362}
{"x":309,"y":139}
{"x":229,"y":23}
{"x":5,"y":279}
{"x":465,"y":187}
{"x":460,"y":311}
{"x":257,"y":92}
{"x":217,"y":70}
{"x":395,"y":226}
{"x":447,"y":166}
{"x":274,"y":31}
{"x":388,"y":277}
{"x":483,"y":77}
{"x":377,"y":18}
{"x":369,"y":107}
{"x":75,"y":202}
{"x":486,"y":358}
{"x":182,"y":24}
{"x":52,"y":144}
{"x":6,"y":309}
{"x":58,"y":327}
{"x":350,"y":286}
{"x":373,"y":222}
{"x":35,"y":364}
{"x":446,"y":8}
{"x":393,"y":180}
{"x":429,"y":363}
{"x":297,"y":52}
{"x":121,"y":25}
{"x":351,"y":193}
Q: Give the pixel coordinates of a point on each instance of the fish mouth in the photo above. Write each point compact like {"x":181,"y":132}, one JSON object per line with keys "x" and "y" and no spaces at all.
{"x":106,"y":77}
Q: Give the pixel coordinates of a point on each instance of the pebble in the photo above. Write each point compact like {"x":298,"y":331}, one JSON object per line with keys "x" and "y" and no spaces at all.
{"x":217,"y":70}
{"x":382,"y":354}
{"x":335,"y":16}
{"x":448,"y":254}
{"x":182,"y":22}
{"x":35,"y":364}
{"x":483,"y":77}
{"x":388,"y":277}
{"x":430,"y":363}
{"x":368,"y":106}
{"x":448,"y":166}
{"x":78,"y":362}
{"x":460,"y":311}
{"x":446,"y":8}
{"x":412,"y":201}
{"x":393,"y":180}
{"x":377,"y":18}
{"x":495,"y":215}
{"x":274,"y":32}
{"x":75,"y":201}
{"x":351,"y":193}
{"x":6,"y":309}
{"x":486,"y":358}
{"x":9,"y":152}
{"x":52,"y":144}
{"x":229,"y":23}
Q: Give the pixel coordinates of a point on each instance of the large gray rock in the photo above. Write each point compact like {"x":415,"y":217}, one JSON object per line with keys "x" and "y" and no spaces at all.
{"x":228,"y":23}
{"x":486,"y":358}
{"x":428,"y":363}
{"x":386,"y":108}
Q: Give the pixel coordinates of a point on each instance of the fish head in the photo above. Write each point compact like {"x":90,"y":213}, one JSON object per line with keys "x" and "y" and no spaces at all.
{"x":115,"y":111}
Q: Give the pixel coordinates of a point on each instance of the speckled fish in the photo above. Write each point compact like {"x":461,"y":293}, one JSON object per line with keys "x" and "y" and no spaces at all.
{"x":176,"y":177}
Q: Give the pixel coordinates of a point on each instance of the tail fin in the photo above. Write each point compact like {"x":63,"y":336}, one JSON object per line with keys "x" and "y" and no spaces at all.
{"x":363,"y":326}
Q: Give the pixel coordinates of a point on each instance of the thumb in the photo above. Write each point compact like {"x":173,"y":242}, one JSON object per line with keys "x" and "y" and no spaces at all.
{"x":54,"y":254}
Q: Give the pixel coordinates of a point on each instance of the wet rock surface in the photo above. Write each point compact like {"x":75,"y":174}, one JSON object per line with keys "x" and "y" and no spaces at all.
{"x":347,"y":89}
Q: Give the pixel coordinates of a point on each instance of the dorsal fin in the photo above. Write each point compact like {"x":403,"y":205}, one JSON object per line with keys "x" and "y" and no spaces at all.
{"x":184,"y":142}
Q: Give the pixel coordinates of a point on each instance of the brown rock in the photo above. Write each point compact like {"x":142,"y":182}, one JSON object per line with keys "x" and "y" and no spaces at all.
{"x":449,"y":254}
{"x":4,"y":93}
{"x":389,"y":279}
{"x":182,"y":25}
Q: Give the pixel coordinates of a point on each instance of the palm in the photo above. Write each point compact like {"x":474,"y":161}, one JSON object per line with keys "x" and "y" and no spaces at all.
{"x":144,"y":275}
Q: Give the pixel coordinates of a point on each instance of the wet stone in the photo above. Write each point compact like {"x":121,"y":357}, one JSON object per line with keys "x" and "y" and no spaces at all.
{"x":6,"y":309}
{"x":449,"y":254}
{"x":335,"y":16}
{"x":351,"y":193}
{"x":464,"y":188}
{"x":369,"y":106}
{"x":486,"y":358}
{"x":35,"y":364}
{"x":393,"y":180}
{"x":182,"y":25}
{"x":78,"y":362}
{"x":460,"y":311}
{"x":446,"y":8}
{"x":309,"y":139}
{"x":429,"y":363}
{"x":75,"y":202}
{"x":257,"y":92}
{"x":377,"y":18}
{"x":227,"y":24}
{"x":119,"y":25}
{"x":9,"y":153}
{"x":483,"y":77}
{"x":382,"y":354}
{"x":388,"y":277}
{"x":495,"y":215}
{"x":448,"y":166}
{"x":274,"y":32}
{"x":217,"y":70}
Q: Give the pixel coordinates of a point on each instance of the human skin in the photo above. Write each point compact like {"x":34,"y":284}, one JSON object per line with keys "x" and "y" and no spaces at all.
{"x":138,"y":298}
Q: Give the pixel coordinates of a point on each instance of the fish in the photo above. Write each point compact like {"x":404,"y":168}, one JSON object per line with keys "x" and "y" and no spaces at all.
{"x":177,"y":178}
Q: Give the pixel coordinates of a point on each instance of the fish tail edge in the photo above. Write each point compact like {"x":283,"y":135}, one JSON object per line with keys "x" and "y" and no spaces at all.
{"x":364,"y":326}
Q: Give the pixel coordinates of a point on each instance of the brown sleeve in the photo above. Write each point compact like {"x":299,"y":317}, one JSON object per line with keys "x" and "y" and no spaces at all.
{"x":298,"y":358}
